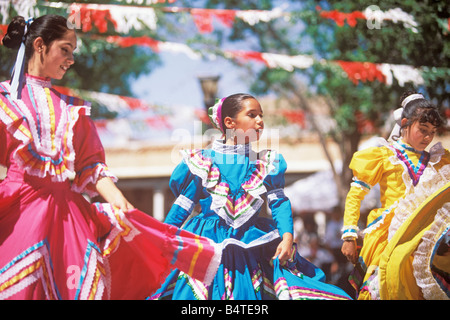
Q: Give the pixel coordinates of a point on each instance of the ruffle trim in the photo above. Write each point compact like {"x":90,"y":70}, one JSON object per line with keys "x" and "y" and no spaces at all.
{"x":124,"y":230}
{"x":429,"y":174}
{"x":239,"y":211}
{"x":214,"y":264}
{"x":361,"y":184}
{"x":436,"y":153}
{"x":37,"y":264}
{"x":96,"y":282}
{"x":425,"y":252}
{"x":121,"y":230}
{"x":422,"y":191}
{"x":349,"y":232}
{"x":185,"y":203}
{"x":26,"y":155}
{"x":380,"y":220}
{"x":264,"y":239}
{"x":85,"y":181}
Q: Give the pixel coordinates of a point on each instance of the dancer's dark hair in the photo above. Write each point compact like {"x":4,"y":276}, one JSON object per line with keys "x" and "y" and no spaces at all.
{"x":421,"y":110}
{"x":232,"y":105}
{"x":49,"y":27}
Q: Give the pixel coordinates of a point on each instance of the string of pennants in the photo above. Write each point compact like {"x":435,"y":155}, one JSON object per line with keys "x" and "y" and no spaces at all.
{"x":124,"y":16}
{"x":124,"y":104}
{"x":127,"y":17}
{"x":355,"y":71}
{"x":141,"y":126}
{"x":150,"y":116}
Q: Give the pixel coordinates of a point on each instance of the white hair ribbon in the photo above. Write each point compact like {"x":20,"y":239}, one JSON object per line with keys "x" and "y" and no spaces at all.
{"x":398,"y":114}
{"x":18,"y":71}
{"x":410,"y":98}
{"x":398,"y":120}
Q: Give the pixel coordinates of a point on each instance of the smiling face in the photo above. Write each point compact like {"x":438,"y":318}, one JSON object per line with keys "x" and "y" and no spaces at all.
{"x":419,"y":135}
{"x":248,"y":124}
{"x":54,"y":60}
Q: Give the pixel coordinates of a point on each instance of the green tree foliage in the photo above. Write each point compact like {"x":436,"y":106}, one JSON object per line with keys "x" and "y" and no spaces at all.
{"x":306,"y":32}
{"x":99,"y":65}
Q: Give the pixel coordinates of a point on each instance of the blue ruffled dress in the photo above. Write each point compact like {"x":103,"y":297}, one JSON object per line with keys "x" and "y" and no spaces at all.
{"x":231,"y":184}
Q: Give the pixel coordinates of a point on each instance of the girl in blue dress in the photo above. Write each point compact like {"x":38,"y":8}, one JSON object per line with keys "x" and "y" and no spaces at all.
{"x":231,"y":182}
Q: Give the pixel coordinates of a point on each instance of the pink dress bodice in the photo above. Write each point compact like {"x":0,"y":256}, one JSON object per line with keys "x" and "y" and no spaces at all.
{"x":38,"y":133}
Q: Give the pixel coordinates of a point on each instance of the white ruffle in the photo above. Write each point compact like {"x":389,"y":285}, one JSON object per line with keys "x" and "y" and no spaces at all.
{"x":42,"y":142}
{"x":185,"y":203}
{"x":29,"y":259}
{"x":350,"y":232}
{"x":101,"y":171}
{"x":436,"y":153}
{"x":201,"y":165}
{"x":275,"y":194}
{"x":92,"y":262}
{"x":214,"y":264}
{"x":265,"y":238}
{"x":428,"y":179}
{"x":381,"y":219}
{"x":433,"y":181}
{"x":424,"y":254}
{"x":122,"y":229}
{"x":425,"y":188}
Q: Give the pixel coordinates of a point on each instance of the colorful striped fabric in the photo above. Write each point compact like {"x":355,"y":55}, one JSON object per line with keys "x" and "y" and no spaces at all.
{"x":234,"y":210}
{"x":43,"y":121}
{"x":55,"y":244}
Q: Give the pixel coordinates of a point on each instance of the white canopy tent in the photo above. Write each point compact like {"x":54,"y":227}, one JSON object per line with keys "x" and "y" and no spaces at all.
{"x":318,"y":192}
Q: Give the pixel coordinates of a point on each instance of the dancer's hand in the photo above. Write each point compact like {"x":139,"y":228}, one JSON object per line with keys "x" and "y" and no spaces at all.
{"x":349,"y":250}
{"x":284,"y":249}
{"x":109,"y":191}
{"x":122,"y":203}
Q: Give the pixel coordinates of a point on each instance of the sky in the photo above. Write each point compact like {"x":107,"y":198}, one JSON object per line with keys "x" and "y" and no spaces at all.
{"x":176,"y":82}
{"x":174,"y":85}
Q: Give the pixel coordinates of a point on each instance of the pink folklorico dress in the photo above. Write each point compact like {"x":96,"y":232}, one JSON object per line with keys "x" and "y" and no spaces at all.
{"x":54,"y":244}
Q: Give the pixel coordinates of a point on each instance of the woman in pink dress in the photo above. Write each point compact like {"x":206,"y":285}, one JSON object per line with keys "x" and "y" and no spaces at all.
{"x":54,"y":244}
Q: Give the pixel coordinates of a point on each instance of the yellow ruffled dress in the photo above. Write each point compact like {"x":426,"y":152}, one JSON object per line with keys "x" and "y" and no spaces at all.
{"x":400,"y":171}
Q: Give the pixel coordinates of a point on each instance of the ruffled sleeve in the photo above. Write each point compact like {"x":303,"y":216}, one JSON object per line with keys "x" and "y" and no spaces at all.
{"x":279,"y":203}
{"x":367,"y":166}
{"x":90,"y":157}
{"x":187,"y":189}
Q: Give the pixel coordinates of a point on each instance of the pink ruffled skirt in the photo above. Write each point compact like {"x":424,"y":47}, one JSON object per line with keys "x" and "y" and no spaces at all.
{"x":54,"y":244}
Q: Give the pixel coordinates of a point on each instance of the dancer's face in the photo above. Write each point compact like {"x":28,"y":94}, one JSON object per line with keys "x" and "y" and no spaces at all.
{"x":54,"y":60}
{"x":248,"y":123}
{"x":419,"y":135}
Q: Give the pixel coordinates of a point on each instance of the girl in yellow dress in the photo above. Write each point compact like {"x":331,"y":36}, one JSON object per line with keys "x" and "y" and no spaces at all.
{"x":399,"y":167}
